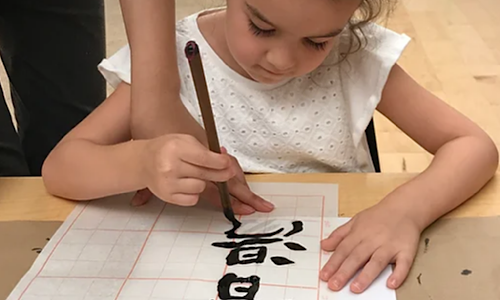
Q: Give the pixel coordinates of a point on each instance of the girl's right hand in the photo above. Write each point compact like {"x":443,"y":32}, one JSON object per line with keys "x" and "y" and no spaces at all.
{"x":177,"y":168}
{"x":244,"y":201}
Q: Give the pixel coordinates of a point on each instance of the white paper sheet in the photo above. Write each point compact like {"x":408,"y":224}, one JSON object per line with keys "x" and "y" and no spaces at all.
{"x":108,"y":250}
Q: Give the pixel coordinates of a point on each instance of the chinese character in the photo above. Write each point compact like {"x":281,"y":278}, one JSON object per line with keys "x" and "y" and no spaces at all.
{"x":260,"y":252}
{"x":252,"y":250}
{"x":224,"y":287}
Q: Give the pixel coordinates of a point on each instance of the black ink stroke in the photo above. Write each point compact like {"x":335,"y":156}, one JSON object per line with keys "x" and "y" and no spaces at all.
{"x":281,"y":261}
{"x":251,"y":258}
{"x":231,"y":234}
{"x":295,"y":247}
{"x":231,"y":245}
{"x":37,"y":250}
{"x":224,"y":287}
{"x":298,"y":226}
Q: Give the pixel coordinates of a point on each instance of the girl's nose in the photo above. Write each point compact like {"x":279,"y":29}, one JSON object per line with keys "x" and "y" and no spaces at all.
{"x":282,"y":59}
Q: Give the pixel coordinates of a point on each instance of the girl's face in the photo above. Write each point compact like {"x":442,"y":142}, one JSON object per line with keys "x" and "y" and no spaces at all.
{"x":273,"y":40}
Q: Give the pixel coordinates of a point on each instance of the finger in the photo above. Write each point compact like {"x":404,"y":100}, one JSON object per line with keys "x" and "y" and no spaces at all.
{"x":141,"y":197}
{"x":352,"y":263}
{"x":336,"y":237}
{"x":377,"y":263}
{"x":183,"y":199}
{"x":337,"y":258}
{"x":240,"y":189}
{"x":240,"y":175}
{"x":197,"y":154}
{"x":187,"y":170}
{"x":239,"y":208}
{"x":243,"y":193}
{"x":403,"y":266}
{"x":190,"y":186}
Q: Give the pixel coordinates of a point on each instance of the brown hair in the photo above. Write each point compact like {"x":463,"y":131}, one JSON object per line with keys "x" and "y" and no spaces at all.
{"x":368,"y":11}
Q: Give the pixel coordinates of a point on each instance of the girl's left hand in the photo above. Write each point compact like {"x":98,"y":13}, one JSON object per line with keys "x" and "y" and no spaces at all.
{"x":374,"y":238}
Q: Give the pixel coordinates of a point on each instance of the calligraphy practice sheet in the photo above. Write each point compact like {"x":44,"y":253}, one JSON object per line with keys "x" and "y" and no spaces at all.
{"x":108,"y":250}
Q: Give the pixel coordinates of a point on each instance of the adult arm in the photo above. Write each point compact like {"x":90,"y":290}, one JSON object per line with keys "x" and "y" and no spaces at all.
{"x":156,"y":108}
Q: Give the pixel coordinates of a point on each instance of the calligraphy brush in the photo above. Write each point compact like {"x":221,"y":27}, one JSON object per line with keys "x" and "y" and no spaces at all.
{"x":192,"y":52}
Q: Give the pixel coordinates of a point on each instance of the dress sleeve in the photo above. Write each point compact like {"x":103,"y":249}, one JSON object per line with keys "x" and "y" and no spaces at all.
{"x":366,"y":72}
{"x":116,"y":69}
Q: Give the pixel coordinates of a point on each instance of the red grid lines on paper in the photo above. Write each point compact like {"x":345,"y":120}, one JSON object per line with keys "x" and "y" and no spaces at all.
{"x":154,"y":229}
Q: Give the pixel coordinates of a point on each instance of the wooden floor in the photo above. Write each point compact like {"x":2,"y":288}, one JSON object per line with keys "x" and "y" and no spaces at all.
{"x":455,"y":53}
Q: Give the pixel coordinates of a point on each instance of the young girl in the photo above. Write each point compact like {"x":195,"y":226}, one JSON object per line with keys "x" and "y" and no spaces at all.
{"x":293,"y":86}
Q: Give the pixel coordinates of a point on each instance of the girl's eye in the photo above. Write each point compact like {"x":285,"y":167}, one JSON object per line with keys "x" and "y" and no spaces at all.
{"x":258,"y":31}
{"x":316,"y":46}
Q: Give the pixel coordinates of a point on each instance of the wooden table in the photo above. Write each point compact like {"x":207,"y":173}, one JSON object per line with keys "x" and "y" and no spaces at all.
{"x":25,"y":199}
